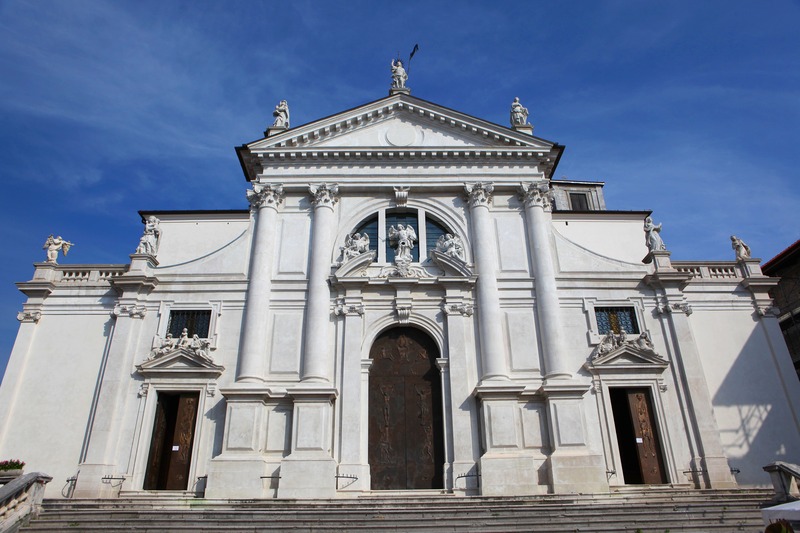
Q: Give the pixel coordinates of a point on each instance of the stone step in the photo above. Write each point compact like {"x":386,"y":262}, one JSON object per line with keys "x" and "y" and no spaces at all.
{"x":648,"y":511}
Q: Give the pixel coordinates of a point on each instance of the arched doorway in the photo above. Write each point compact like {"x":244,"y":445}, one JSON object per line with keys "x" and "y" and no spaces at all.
{"x":406,"y":435}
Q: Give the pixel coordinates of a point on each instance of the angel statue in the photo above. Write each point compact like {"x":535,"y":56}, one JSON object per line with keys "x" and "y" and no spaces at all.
{"x":739,"y":246}
{"x":281,"y":115}
{"x":399,"y":75}
{"x":355,"y":244}
{"x":53,"y":245}
{"x":402,"y":240}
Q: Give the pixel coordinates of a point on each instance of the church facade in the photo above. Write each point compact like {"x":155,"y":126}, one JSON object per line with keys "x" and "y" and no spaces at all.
{"x":410,"y":301}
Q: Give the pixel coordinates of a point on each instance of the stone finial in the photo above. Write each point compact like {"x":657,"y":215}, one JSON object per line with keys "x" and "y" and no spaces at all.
{"x":151,"y":237}
{"x":741,"y":249}
{"x":652,"y":233}
{"x":53,"y":245}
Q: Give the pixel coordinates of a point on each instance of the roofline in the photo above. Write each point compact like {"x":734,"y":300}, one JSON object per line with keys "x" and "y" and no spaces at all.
{"x":146,"y":213}
{"x":775,"y":263}
{"x":559,"y":148}
{"x":601,"y":212}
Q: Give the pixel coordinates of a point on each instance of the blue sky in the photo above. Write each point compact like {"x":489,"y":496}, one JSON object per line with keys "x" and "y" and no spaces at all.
{"x":691,"y":109}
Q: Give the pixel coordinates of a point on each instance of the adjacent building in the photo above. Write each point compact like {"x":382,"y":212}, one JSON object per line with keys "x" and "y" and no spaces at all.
{"x":407,"y":300}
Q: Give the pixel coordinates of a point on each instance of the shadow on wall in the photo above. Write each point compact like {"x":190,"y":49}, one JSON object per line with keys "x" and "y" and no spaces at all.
{"x":753,"y":412}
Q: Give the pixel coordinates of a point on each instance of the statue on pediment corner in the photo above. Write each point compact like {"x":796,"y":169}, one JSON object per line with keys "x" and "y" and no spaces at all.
{"x":652,"y":234}
{"x":281,"y":115}
{"x":151,"y":238}
{"x":451,"y":245}
{"x":399,"y":75}
{"x":741,"y":249}
{"x":53,"y":245}
{"x":355,"y":244}
{"x":519,"y":114}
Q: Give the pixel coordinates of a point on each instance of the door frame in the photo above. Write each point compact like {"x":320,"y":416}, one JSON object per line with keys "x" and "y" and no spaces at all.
{"x":201,"y":445}
{"x":433,"y":330}
{"x":656,"y":390}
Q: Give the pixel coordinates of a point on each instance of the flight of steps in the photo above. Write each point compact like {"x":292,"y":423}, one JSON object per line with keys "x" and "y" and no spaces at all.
{"x":652,"y":510}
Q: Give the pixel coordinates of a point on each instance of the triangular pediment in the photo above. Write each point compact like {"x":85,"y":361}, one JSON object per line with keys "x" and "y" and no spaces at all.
{"x":180,"y":361}
{"x":628,"y":357}
{"x":399,"y":123}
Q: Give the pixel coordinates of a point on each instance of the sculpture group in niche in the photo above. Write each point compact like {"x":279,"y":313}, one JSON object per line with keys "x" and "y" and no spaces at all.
{"x":451,"y":245}
{"x":281,"y":115}
{"x":355,"y":244}
{"x":652,"y":234}
{"x":402,"y":238}
{"x":150,"y":239}
{"x":519,"y":114}
{"x":399,"y":75}
{"x":53,"y":245}
{"x":612,"y":341}
{"x":739,"y":246}
{"x":169,"y":344}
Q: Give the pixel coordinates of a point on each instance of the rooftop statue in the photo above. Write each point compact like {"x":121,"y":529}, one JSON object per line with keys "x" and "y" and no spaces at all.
{"x":281,"y":115}
{"x":399,"y":75}
{"x":151,"y":238}
{"x":739,"y":246}
{"x":519,"y":114}
{"x":652,"y":234}
{"x":53,"y":245}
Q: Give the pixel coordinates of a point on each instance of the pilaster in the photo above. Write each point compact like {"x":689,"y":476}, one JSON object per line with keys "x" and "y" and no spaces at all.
{"x":100,"y":459}
{"x":709,"y":465}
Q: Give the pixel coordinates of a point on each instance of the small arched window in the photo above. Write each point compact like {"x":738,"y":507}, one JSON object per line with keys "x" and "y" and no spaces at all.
{"x":377,"y":226}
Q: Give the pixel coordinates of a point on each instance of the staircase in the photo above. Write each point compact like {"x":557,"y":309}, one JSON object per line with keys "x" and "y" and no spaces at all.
{"x":649,"y":510}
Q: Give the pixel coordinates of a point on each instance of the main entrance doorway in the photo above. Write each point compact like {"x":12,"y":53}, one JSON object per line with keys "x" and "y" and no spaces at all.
{"x":173,"y":437}
{"x":637,"y":436}
{"x":406,"y":434}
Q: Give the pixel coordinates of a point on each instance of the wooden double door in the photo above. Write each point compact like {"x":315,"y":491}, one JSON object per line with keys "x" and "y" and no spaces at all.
{"x":171,"y":446}
{"x":406,"y":433}
{"x":637,"y":436}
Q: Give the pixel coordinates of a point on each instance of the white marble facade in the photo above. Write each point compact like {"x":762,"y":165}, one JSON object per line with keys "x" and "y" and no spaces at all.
{"x":510,"y":275}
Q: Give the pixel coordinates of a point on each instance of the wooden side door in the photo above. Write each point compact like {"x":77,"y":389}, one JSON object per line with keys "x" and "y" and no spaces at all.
{"x":648,"y":445}
{"x":171,"y":446}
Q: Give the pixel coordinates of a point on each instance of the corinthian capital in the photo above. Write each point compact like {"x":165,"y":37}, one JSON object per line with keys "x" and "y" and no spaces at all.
{"x":479,"y":193}
{"x":536,"y":195}
{"x":324,"y":195}
{"x":265,"y":195}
